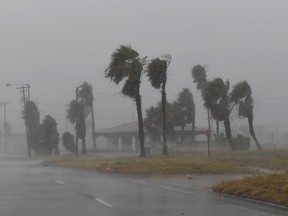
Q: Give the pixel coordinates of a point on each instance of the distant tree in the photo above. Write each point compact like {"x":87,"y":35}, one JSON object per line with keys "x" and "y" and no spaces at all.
{"x":185,"y":111}
{"x":153,"y":121}
{"x":241,"y":96}
{"x":31,"y":116}
{"x":76,"y":116}
{"x":127,"y":66}
{"x":157,"y":75}
{"x":50,"y":136}
{"x":86,"y":98}
{"x":216,"y":99}
{"x":68,"y":142}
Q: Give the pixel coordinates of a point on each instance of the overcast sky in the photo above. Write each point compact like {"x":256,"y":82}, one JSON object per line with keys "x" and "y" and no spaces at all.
{"x":55,"y":45}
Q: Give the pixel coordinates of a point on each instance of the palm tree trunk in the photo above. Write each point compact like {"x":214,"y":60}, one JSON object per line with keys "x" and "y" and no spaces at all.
{"x":193,"y":126}
{"x":165,"y":148}
{"x":84,"y":151}
{"x":182,"y":133}
{"x":93,"y":129}
{"x":228,"y":132}
{"x":140,"y":125}
{"x":252,"y":132}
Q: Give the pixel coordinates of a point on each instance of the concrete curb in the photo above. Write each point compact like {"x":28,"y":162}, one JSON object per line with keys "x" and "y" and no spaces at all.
{"x":252,"y":203}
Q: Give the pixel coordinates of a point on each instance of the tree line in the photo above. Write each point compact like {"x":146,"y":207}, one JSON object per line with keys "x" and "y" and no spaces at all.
{"x":128,"y":67}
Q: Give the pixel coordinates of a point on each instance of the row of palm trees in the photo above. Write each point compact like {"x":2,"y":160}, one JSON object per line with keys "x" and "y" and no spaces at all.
{"x":127,"y":66}
{"x":220,"y":102}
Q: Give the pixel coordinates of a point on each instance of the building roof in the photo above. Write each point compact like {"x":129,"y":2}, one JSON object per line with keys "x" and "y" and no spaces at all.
{"x":132,"y":127}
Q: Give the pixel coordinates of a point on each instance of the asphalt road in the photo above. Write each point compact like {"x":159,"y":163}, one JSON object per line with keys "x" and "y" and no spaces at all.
{"x":29,"y":188}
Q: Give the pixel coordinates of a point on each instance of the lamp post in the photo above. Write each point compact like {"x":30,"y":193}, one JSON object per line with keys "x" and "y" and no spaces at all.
{"x":23,"y":87}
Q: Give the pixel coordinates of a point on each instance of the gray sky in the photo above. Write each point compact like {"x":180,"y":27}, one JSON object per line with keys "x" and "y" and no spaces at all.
{"x":55,"y":45}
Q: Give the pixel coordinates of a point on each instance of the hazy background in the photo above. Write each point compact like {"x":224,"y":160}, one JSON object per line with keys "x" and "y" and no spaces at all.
{"x":55,"y":45}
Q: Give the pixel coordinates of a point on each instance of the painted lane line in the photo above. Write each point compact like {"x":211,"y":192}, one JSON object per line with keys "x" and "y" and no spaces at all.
{"x":104,"y":203}
{"x":59,"y":182}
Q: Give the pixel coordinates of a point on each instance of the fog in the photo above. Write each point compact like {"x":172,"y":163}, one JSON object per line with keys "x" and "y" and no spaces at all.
{"x":56,"y":45}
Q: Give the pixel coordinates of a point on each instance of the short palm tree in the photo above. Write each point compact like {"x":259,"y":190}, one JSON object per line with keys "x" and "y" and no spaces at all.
{"x":126,"y":65}
{"x":241,"y":96}
{"x":157,"y":75}
{"x":86,"y":98}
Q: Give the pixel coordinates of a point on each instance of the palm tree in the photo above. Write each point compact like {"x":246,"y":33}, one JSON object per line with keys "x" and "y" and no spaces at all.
{"x":127,"y":66}
{"x":50,"y":136}
{"x":185,"y":107}
{"x":157,"y":75}
{"x":76,"y":116}
{"x":199,"y":76}
{"x":241,"y":96}
{"x":216,"y":99}
{"x":86,"y":98}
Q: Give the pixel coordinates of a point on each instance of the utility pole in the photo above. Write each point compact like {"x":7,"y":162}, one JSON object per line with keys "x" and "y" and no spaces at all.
{"x":23,"y":87}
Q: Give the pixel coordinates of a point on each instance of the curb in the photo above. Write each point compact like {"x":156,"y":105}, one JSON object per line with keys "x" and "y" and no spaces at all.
{"x":252,"y":203}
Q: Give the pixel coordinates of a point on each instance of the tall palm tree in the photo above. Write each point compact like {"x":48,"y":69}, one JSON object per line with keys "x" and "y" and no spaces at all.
{"x":76,"y":116}
{"x":126,"y":65}
{"x":86,"y":98}
{"x":200,"y":78}
{"x":216,"y":99}
{"x":157,"y":75}
{"x":241,"y":96}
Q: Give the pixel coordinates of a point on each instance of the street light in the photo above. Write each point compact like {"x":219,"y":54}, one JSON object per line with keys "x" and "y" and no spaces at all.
{"x":23,"y":87}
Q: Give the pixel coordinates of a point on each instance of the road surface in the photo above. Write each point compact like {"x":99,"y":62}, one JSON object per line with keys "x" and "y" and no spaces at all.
{"x":29,"y":188}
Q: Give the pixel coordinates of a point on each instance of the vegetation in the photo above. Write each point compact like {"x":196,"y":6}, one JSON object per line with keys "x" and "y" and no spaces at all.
{"x":68,"y":142}
{"x":43,"y":138}
{"x":185,"y":111}
{"x":267,"y":188}
{"x":76,"y":116}
{"x":86,"y":98}
{"x":126,"y":65}
{"x":241,"y":96}
{"x":216,"y":99}
{"x":157,"y":75}
{"x":185,"y":163}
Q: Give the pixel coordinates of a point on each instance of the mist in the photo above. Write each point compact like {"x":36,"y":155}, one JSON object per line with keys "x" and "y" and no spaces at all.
{"x":55,"y":46}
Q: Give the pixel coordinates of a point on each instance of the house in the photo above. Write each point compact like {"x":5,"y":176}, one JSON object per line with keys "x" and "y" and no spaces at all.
{"x":124,"y":137}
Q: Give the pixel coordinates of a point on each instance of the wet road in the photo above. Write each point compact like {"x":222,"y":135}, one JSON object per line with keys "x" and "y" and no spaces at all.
{"x":28,"y":188}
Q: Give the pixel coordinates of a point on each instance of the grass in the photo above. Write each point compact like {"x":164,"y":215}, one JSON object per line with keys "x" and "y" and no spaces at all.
{"x":182,"y":163}
{"x":271,"y":188}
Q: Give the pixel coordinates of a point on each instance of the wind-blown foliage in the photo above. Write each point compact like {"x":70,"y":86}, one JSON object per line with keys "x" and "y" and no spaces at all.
{"x":126,"y":66}
{"x":86,"y":98}
{"x":157,"y":75}
{"x":50,"y":136}
{"x":68,"y":142}
{"x":216,"y":99}
{"x":76,"y":116}
{"x":199,"y":76}
{"x":185,"y":110}
{"x":241,"y":96}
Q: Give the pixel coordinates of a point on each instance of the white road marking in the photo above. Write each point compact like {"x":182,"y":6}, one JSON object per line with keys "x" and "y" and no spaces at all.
{"x":104,"y":203}
{"x":59,"y":182}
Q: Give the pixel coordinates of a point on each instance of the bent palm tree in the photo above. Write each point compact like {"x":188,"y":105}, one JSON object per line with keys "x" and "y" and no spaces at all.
{"x":157,"y":75}
{"x":241,"y":96}
{"x":127,"y":66}
{"x":215,"y":96}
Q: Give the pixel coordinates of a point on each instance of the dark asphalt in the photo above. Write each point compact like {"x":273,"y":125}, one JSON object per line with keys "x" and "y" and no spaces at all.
{"x":29,"y":188}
